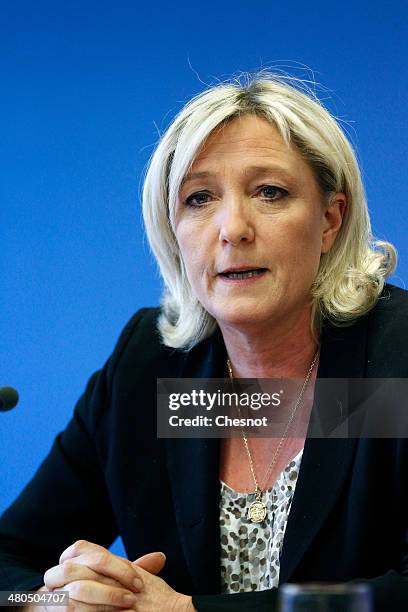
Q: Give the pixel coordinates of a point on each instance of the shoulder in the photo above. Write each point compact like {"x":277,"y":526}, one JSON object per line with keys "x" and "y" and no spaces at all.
{"x":129,"y":376}
{"x":387,"y":330}
{"x":373,"y":346}
{"x":390,"y":314}
{"x":140,"y":349}
{"x":393,"y":302}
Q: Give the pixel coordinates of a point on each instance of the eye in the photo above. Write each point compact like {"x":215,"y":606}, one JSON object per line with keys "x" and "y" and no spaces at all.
{"x":197,"y":199}
{"x":270,"y":192}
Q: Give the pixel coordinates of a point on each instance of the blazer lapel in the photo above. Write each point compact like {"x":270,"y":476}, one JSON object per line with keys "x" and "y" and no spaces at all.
{"x":325,"y":462}
{"x":193,"y":466}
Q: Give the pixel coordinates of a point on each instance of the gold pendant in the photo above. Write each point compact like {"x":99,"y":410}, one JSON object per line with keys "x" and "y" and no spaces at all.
{"x":257,"y":511}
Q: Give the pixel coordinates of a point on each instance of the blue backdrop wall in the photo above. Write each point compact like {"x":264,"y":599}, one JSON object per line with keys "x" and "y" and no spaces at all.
{"x":85,"y":88}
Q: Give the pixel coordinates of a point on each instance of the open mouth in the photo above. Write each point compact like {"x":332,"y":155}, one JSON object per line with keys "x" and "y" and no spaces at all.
{"x":240,"y":275}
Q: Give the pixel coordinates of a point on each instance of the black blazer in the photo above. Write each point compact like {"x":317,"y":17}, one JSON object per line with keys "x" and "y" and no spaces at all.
{"x":108,"y":474}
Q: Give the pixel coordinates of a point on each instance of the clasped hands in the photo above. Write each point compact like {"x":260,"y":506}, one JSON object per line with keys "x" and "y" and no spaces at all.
{"x":99,"y":581}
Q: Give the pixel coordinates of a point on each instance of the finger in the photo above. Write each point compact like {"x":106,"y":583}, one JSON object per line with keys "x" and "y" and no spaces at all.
{"x":78,"y":606}
{"x":103,"y":562}
{"x":92,"y":592}
{"x":114,"y":567}
{"x":78,"y":548}
{"x":152,"y":562}
{"x":60,"y":575}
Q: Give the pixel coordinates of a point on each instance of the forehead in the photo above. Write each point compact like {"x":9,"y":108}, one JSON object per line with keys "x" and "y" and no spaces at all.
{"x":252,"y":129}
{"x":247,"y":142}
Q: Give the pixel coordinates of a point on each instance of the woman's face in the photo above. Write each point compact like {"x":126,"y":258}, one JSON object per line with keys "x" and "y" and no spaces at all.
{"x":251,"y":226}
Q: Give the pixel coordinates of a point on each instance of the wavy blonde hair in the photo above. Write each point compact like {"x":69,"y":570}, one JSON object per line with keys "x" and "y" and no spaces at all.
{"x":351,"y":275}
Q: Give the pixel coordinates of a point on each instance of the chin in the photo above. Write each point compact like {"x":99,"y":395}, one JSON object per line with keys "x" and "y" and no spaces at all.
{"x":242,"y":317}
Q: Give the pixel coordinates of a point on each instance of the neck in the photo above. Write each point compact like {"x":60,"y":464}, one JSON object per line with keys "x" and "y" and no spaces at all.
{"x":271,"y":352}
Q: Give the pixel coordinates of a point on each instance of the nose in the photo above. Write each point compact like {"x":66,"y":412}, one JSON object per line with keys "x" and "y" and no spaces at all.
{"x":235,"y":223}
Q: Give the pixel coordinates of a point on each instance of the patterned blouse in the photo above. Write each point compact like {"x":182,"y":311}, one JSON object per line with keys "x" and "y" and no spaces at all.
{"x":250,"y":552}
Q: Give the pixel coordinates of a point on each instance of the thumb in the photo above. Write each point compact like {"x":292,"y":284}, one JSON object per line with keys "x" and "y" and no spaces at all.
{"x":152,"y":562}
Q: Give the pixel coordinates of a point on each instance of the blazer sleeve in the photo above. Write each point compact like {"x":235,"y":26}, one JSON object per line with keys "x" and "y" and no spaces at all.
{"x":67,"y":498}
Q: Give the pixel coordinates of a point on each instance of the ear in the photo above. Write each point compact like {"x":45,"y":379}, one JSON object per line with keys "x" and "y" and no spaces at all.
{"x":333,"y":218}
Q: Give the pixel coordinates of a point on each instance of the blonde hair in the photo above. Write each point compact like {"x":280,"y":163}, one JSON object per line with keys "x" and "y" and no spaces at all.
{"x":350,"y":276}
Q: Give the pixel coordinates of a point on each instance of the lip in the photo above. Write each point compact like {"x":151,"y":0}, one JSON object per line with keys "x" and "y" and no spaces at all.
{"x":241,"y":281}
{"x":240,"y":269}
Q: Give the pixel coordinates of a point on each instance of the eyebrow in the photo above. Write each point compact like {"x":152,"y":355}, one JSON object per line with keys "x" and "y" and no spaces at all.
{"x":281,"y":171}
{"x":191,"y":176}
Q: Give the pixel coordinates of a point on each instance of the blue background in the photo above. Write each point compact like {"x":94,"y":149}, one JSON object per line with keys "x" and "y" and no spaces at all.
{"x":85,"y":88}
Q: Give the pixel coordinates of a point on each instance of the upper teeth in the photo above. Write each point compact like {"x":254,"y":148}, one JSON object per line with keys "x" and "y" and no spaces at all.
{"x":246,"y":274}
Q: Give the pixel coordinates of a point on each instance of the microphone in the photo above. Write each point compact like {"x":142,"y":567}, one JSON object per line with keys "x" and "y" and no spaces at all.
{"x":8,"y":398}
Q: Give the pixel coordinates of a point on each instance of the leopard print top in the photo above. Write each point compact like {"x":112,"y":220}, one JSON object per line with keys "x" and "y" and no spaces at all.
{"x":250,"y":552}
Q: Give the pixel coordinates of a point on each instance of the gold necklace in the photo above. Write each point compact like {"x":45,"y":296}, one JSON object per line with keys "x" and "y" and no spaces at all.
{"x":257,"y":509}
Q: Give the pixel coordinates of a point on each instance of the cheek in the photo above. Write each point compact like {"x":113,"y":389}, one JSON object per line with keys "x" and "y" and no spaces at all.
{"x":309,"y":259}
{"x":192,"y":254}
{"x":301,"y":248}
{"x":184,"y":242}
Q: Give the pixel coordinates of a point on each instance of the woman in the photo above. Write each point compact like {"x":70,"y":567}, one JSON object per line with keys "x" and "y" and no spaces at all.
{"x":255,"y":211}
